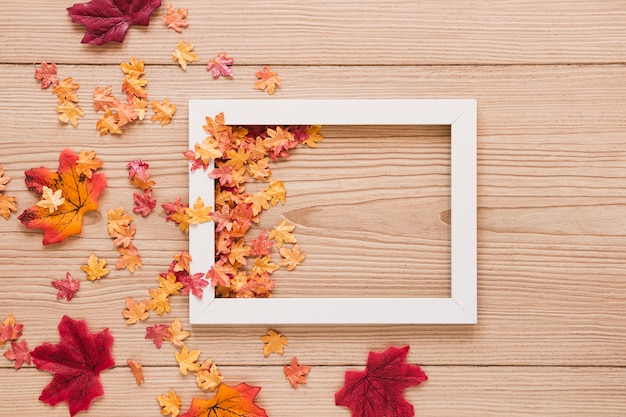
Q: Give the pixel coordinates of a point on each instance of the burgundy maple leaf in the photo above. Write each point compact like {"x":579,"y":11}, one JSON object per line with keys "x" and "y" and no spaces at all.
{"x":67,"y":287}
{"x":76,"y":362}
{"x":158,"y":333}
{"x":377,"y":391}
{"x":108,"y":20}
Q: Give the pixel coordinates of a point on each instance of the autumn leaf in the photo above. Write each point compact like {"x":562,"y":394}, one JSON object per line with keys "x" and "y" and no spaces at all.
{"x":67,"y":287}
{"x":377,"y":391}
{"x":69,"y":112}
{"x":291,"y":257}
{"x":134,"y":311}
{"x":80,"y":193}
{"x":283,"y":233}
{"x":177,"y":334}
{"x":208,"y":377}
{"x":144,"y":203}
{"x":314,"y":136}
{"x":87,"y":163}
{"x":108,"y":124}
{"x":158,"y":333}
{"x":138,"y":169}
{"x":66,"y":91}
{"x":183,"y":54}
{"x":274,"y":342}
{"x":133,"y":69}
{"x":169,"y":284}
{"x":176,"y":19}
{"x":135,"y":87}
{"x":19,"y":353}
{"x":107,"y":20}
{"x":187,"y":360}
{"x":118,"y":220}
{"x":10,"y":330}
{"x":103,"y":98}
{"x":163,"y":111}
{"x":228,"y":402}
{"x":199,"y":213}
{"x":170,"y":404}
{"x":7,"y":205}
{"x":261,"y":246}
{"x":95,"y":268}
{"x":182,"y":262}
{"x":4,"y":180}
{"x":47,"y":74}
{"x":137,"y":371}
{"x":264,"y":265}
{"x":220,"y":65}
{"x":268,"y":79}
{"x":194,"y":284}
{"x":129,"y":258}
{"x":51,"y":200}
{"x":159,"y":301}
{"x":76,"y":362}
{"x":296,"y":373}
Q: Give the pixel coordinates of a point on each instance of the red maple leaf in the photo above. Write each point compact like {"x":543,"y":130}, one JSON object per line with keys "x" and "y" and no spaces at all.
{"x":194,"y":284}
{"x":80,"y":192}
{"x":76,"y":362}
{"x":158,"y":333}
{"x":67,"y":287}
{"x":108,"y":20}
{"x":144,"y":203}
{"x":377,"y":391}
{"x":261,"y":246}
{"x":220,"y":65}
{"x":19,"y":353}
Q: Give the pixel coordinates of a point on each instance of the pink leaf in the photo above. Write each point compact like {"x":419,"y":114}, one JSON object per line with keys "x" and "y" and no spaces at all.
{"x":67,"y":287}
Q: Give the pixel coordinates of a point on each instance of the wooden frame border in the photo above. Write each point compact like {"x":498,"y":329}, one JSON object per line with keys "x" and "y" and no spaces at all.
{"x":461,"y":307}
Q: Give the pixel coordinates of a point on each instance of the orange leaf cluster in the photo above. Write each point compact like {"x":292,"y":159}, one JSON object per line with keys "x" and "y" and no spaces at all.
{"x":121,"y":229}
{"x":116,"y":112}
{"x":68,"y":108}
{"x":10,"y":331}
{"x":7,"y":203}
{"x":242,"y":267}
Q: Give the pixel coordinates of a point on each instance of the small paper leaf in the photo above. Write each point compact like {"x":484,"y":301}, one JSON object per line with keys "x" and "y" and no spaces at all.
{"x":296,"y":373}
{"x":183,"y":55}
{"x":176,"y":19}
{"x":19,"y":353}
{"x":220,"y":65}
{"x":95,"y":268}
{"x":137,"y":371}
{"x":274,"y":342}
{"x":268,"y":79}
{"x":67,"y":287}
{"x":47,"y":74}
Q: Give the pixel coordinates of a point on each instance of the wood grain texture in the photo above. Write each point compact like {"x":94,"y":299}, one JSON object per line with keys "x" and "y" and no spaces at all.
{"x":371,"y":204}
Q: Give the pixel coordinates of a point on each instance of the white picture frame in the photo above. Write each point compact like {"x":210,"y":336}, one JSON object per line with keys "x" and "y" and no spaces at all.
{"x":459,"y":308}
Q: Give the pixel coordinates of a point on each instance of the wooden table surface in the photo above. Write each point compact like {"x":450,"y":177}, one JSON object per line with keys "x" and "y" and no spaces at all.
{"x":550,"y":80}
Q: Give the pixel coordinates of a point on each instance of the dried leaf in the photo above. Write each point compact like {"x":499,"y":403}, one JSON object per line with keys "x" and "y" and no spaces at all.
{"x":107,"y":20}
{"x":159,"y":301}
{"x":47,"y":74}
{"x":87,"y":163}
{"x":108,"y":124}
{"x":268,"y":79}
{"x":183,"y":54}
{"x":176,"y":19}
{"x":95,"y":268}
{"x":67,"y":287}
{"x":208,"y":377}
{"x":66,"y":91}
{"x":129,"y":258}
{"x":274,"y":343}
{"x":199,"y":213}
{"x":76,"y":362}
{"x":194,"y":284}
{"x":314,"y":136}
{"x":135,"y":312}
{"x":137,"y":371}
{"x":118,"y":221}
{"x":170,"y":404}
{"x":187,"y":360}
{"x":177,"y":334}
{"x":158,"y":333}
{"x":4,"y":180}
{"x":163,"y":111}
{"x":228,"y":402}
{"x":133,"y":69}
{"x":69,"y":113}
{"x":220,"y":65}
{"x":296,"y":373}
{"x":103,"y":100}
{"x":19,"y":353}
{"x":144,"y":203}
{"x":50,"y":200}
{"x":169,"y":284}
{"x":261,"y":246}
{"x":377,"y":391}
{"x":7,"y":205}
{"x":283,"y":233}
{"x":291,"y":257}
{"x":10,"y":330}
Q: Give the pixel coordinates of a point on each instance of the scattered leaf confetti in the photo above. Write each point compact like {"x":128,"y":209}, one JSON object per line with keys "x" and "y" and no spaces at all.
{"x":95,"y":268}
{"x":107,"y":20}
{"x":87,"y":163}
{"x":283,"y":233}
{"x":377,"y":391}
{"x":274,"y":343}
{"x":170,"y":404}
{"x":296,"y":373}
{"x":144,"y":203}
{"x":134,"y":311}
{"x":208,"y":377}
{"x":4,"y":180}
{"x":80,"y":192}
{"x":176,"y":19}
{"x":67,"y":97}
{"x":76,"y":362}
{"x":292,"y":257}
{"x":19,"y":353}
{"x":268,"y":80}
{"x":67,"y":287}
{"x":183,"y":55}
{"x":47,"y":74}
{"x":177,"y":334}
{"x":187,"y":360}
{"x":220,"y":66}
{"x":163,"y":111}
{"x":137,"y":371}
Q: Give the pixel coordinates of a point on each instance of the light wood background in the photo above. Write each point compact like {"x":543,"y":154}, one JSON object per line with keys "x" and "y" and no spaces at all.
{"x":370,"y":204}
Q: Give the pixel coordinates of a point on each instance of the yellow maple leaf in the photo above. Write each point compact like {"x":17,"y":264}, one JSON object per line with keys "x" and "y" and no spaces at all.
{"x":237,"y":158}
{"x":135,"y":312}
{"x":108,"y":123}
{"x":187,"y":360}
{"x":7,"y":205}
{"x":118,"y":220}
{"x":238,"y":252}
{"x":183,"y":54}
{"x":276,"y":192}
{"x":87,"y":163}
{"x":141,"y":107}
{"x":177,"y":333}
{"x":51,"y":200}
{"x":182,"y":219}
{"x":66,"y":91}
{"x":102,"y":98}
{"x":163,"y":111}
{"x":283,"y":233}
{"x":4,"y":180}
{"x":314,"y":136}
{"x":268,"y":79}
{"x":169,"y":284}
{"x":260,"y":201}
{"x":199,"y":213}
{"x":264,"y":264}
{"x":183,"y":260}
{"x":135,"y":87}
{"x":208,"y":377}
{"x":134,"y":68}
{"x":274,"y":343}
{"x":69,"y":112}
{"x":207,"y":150}
{"x":95,"y":268}
{"x":160,"y":301}
{"x":291,"y":257}
{"x":170,"y":404}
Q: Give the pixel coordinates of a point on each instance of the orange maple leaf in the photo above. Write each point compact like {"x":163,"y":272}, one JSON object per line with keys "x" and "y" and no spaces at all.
{"x":135,"y":312}
{"x":296,"y":373}
{"x":170,"y":404}
{"x":87,"y":163}
{"x":47,"y":74}
{"x":102,"y":98}
{"x":176,"y":19}
{"x":4,"y":180}
{"x":69,"y":112}
{"x":177,"y":334}
{"x":268,"y":79}
{"x":163,"y":111}
{"x":7,"y":205}
{"x":291,"y":257}
{"x":274,"y":342}
{"x":137,"y":371}
{"x":134,"y":68}
{"x":229,"y":401}
{"x":80,"y":193}
{"x":108,"y":123}
{"x":129,"y":258}
{"x":183,"y":55}
{"x":283,"y":233}
{"x":66,"y":91}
